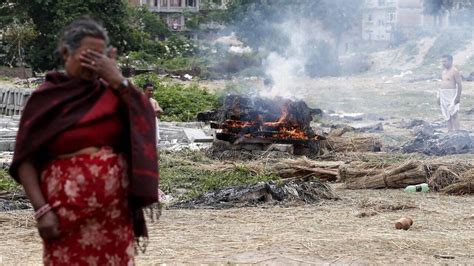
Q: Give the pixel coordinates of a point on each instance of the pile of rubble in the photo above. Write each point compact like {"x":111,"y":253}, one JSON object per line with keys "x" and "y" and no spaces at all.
{"x":177,"y":136}
{"x":8,"y":129}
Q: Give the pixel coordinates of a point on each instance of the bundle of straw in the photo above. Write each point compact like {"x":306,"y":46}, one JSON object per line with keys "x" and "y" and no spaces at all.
{"x":397,"y":176}
{"x":359,"y":143}
{"x":465,"y":184}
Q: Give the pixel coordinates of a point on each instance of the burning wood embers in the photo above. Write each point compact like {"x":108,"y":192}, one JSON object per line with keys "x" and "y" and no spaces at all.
{"x":254,"y":120}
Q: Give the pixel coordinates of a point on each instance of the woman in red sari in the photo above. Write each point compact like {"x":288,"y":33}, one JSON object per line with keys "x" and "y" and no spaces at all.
{"x":86,"y":155}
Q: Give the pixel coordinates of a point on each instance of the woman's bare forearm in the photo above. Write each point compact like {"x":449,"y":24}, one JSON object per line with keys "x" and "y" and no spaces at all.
{"x":30,"y":181}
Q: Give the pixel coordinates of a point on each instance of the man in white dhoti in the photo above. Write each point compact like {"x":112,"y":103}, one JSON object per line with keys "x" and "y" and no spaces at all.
{"x":449,"y":95}
{"x":149,"y":90}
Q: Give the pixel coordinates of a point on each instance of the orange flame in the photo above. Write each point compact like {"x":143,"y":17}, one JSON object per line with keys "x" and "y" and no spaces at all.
{"x":285,"y":129}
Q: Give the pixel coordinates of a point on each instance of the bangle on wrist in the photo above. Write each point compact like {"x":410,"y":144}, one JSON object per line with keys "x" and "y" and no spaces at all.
{"x":122,"y":85}
{"x":42,"y":211}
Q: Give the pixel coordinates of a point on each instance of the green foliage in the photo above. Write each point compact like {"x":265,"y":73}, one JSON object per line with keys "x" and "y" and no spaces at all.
{"x":179,"y":102}
{"x":175,"y":53}
{"x":3,"y":78}
{"x":6,"y":182}
{"x":178,"y":45}
{"x":148,"y":23}
{"x":181,"y":171}
{"x":15,"y":39}
{"x":50,"y":17}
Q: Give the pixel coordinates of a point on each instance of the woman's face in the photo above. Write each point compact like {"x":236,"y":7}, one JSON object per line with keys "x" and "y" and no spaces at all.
{"x":72,"y":61}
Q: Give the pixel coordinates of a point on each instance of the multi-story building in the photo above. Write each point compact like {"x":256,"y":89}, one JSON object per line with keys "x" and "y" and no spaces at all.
{"x":383,"y":19}
{"x":171,"y":11}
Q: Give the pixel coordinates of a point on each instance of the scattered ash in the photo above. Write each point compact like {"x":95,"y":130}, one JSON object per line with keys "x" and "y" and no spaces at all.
{"x":298,"y":191}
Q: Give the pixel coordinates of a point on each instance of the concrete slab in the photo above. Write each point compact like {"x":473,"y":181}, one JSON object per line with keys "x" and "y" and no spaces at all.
{"x":197,"y":135}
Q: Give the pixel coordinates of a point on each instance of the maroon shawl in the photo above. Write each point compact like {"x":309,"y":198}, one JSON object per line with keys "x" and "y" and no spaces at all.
{"x":60,"y":102}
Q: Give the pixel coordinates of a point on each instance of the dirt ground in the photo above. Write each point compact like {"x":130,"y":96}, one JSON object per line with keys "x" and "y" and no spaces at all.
{"x":359,"y":228}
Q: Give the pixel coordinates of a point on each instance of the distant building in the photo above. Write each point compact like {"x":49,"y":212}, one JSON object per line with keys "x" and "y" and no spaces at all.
{"x":214,"y":4}
{"x":173,"y":11}
{"x":384,"y":19}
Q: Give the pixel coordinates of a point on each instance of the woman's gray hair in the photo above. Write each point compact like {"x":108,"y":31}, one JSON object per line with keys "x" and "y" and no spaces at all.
{"x":75,"y":32}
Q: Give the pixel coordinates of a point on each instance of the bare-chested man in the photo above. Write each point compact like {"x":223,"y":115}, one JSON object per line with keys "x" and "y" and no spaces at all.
{"x":449,"y":95}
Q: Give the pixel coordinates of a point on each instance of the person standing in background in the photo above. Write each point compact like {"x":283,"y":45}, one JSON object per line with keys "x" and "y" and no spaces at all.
{"x":149,"y":90}
{"x":449,"y":95}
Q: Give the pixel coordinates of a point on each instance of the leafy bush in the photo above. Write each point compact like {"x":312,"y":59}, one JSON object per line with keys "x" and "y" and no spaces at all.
{"x":179,"y":102}
{"x":6,"y":182}
{"x":179,"y":46}
{"x":176,"y":63}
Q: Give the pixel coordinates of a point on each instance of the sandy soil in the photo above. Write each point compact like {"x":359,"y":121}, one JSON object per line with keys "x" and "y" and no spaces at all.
{"x":359,"y":228}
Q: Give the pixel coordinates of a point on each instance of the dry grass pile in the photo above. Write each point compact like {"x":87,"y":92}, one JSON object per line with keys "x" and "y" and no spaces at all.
{"x":338,"y":141}
{"x":453,"y":177}
{"x":464,"y":185}
{"x":395,"y":176}
{"x":283,"y":168}
{"x":303,"y":167}
{"x":356,"y":143}
{"x":286,"y":168}
{"x":442,"y":178}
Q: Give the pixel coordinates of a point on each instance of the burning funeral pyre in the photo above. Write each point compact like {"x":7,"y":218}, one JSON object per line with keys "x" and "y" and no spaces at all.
{"x":255,"y":120}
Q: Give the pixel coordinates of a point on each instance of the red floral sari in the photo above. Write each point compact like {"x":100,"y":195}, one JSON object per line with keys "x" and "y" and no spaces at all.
{"x":98,"y":198}
{"x":87,"y":193}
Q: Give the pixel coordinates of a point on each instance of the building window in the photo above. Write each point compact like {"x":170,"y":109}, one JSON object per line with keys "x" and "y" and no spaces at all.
{"x":164,"y":3}
{"x":156,"y":2}
{"x":381,"y":22}
{"x":191,"y":3}
{"x":381,"y":2}
{"x":175,"y":3}
{"x":391,"y":16}
{"x":369,"y":18}
{"x":175,"y":22}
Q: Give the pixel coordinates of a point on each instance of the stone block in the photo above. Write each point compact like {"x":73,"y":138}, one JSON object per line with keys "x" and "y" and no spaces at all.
{"x":197,"y":135}
{"x":281,"y":147}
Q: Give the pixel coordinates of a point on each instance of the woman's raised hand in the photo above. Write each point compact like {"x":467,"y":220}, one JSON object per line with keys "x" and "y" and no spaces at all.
{"x":104,"y":65}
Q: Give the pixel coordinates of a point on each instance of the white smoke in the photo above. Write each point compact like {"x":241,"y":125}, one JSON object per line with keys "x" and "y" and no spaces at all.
{"x":288,"y":67}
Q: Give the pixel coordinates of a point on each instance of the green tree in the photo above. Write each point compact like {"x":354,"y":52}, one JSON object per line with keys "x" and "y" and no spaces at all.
{"x":16,"y":38}
{"x":50,"y":17}
{"x":148,"y":22}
